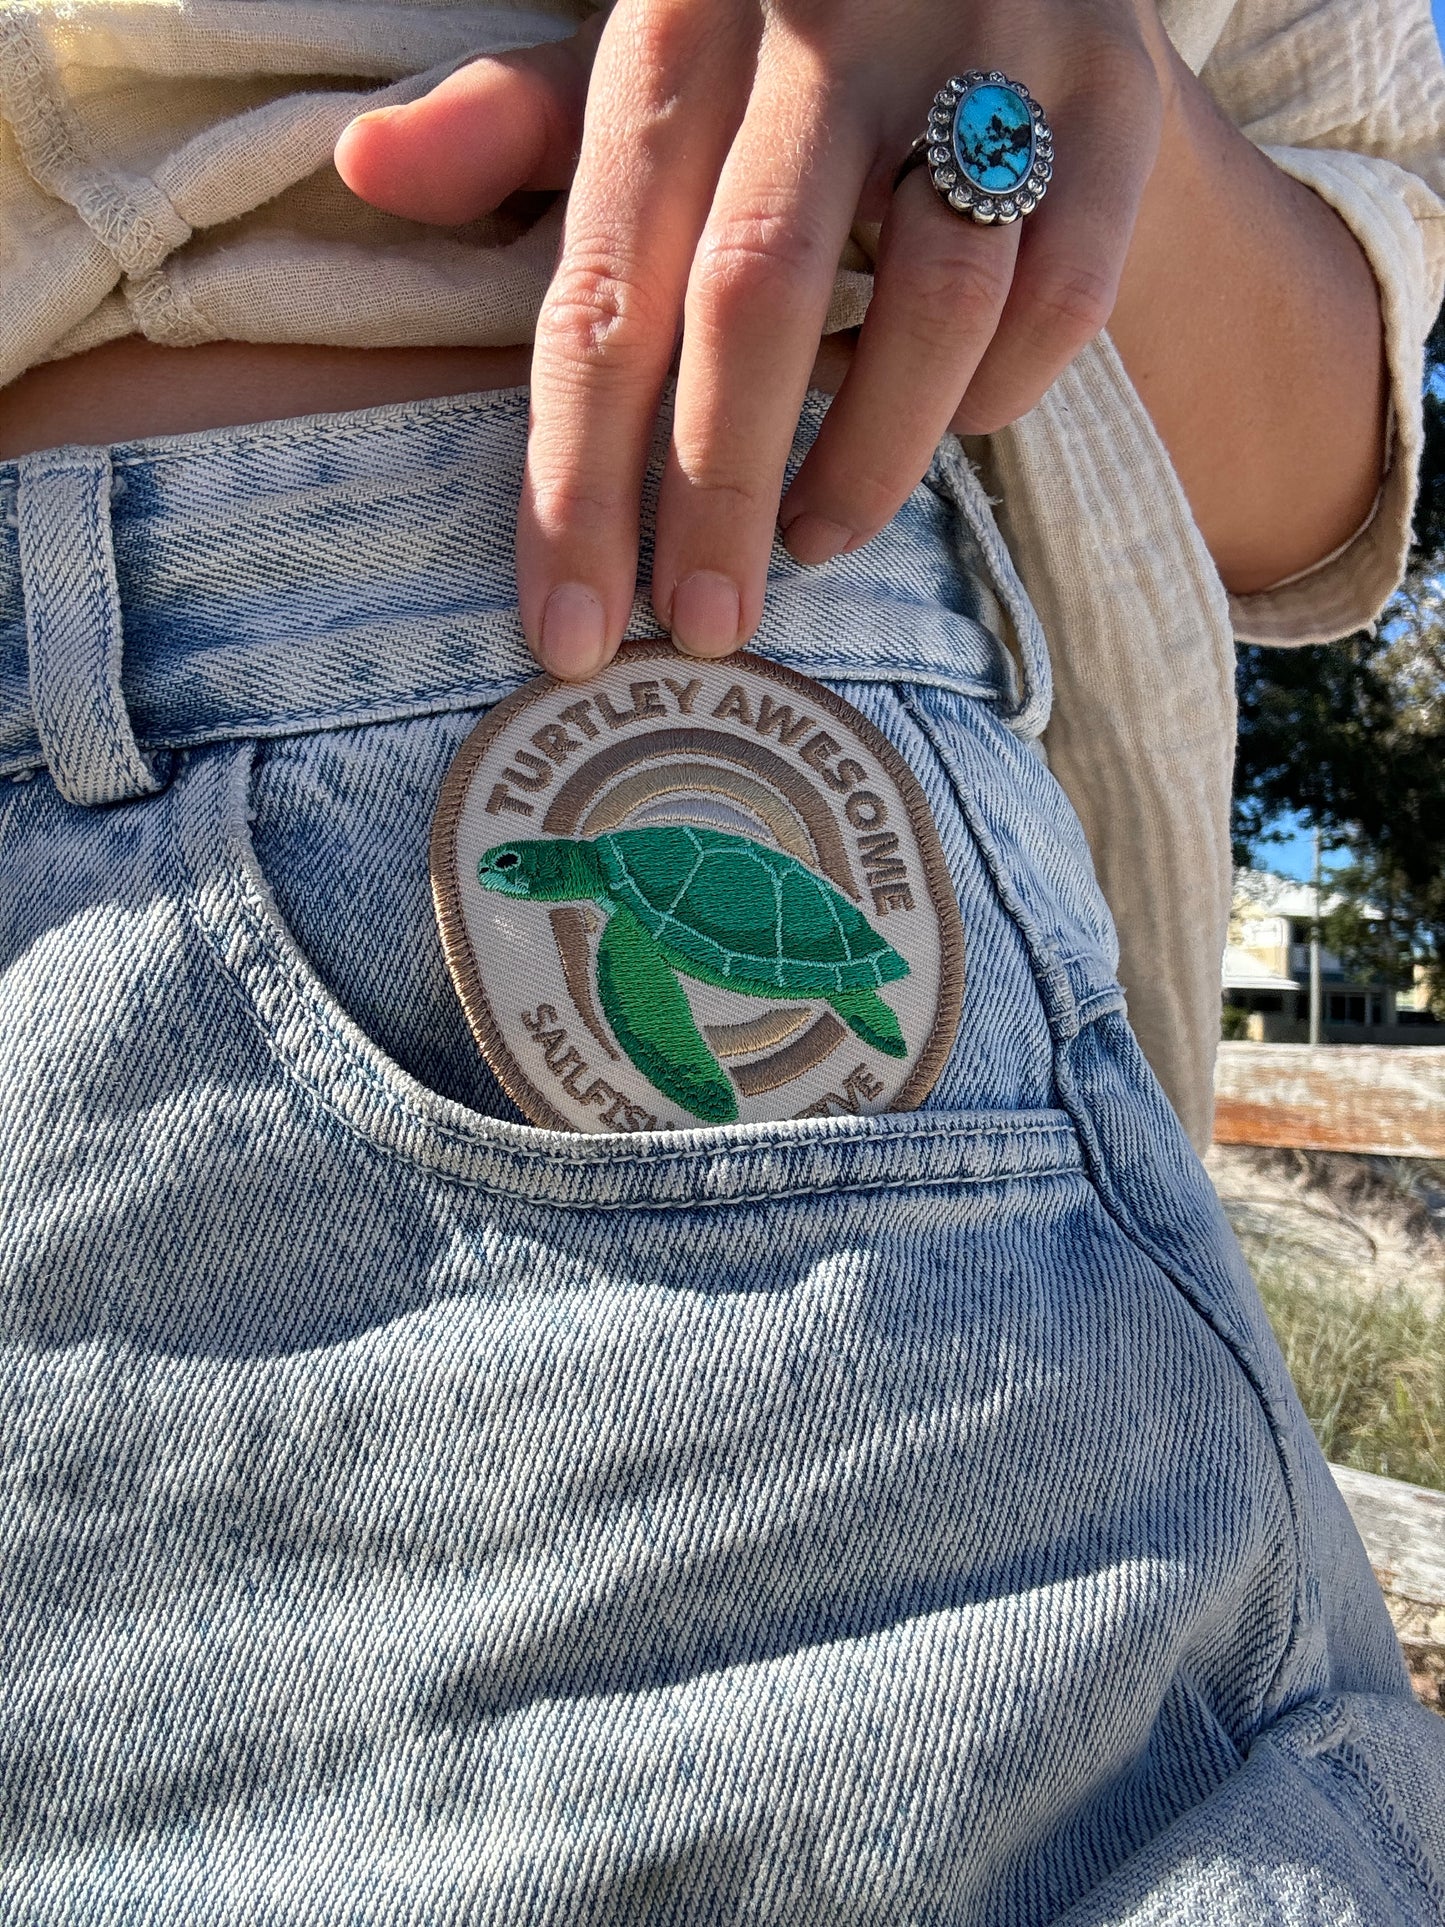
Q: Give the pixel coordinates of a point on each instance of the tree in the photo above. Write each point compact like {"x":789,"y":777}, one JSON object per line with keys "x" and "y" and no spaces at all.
{"x":1352,"y":735}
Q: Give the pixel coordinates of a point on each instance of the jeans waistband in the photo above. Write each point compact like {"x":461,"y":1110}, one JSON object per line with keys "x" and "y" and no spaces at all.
{"x":340,"y":569}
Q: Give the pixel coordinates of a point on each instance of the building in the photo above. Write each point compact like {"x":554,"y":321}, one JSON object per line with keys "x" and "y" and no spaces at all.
{"x":1266,"y":976}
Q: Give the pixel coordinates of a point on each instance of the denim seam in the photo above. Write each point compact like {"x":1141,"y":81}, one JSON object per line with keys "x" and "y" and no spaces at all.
{"x":953,"y":479}
{"x":1096,"y":1168}
{"x":1098,"y":1003}
{"x":37,"y":621}
{"x":347,"y":425}
{"x":447,"y":699}
{"x":1324,"y":1733}
{"x":1051,"y":980}
{"x":776,"y":1194}
{"x":1346,"y":1761}
{"x":1050,"y":966}
{"x":106,"y":610}
{"x":252,"y":912}
{"x":450,"y":699}
{"x":1076,"y":1015}
{"x":342,"y":426}
{"x":121,"y":767}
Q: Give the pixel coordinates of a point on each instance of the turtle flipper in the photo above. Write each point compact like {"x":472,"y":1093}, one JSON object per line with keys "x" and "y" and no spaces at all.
{"x":649,"y":1015}
{"x":865,"y":1012}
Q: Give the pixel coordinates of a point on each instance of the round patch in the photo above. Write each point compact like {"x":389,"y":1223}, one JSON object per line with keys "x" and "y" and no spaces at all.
{"x":694,"y":893}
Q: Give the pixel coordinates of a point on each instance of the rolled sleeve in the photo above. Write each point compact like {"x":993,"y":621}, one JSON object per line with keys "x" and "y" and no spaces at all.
{"x":1350,"y":101}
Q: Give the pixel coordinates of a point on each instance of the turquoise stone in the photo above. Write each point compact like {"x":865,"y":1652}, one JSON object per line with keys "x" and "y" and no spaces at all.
{"x":993,"y":138}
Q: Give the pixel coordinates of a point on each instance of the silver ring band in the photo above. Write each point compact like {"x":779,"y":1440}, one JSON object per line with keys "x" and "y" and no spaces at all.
{"x":988,"y":148}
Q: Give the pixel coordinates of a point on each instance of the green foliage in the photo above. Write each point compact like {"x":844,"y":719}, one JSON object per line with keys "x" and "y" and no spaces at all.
{"x":1430,"y":510}
{"x":1385,"y":925}
{"x":1369,"y":1369}
{"x":1234,"y":1023}
{"x":1311,"y":724}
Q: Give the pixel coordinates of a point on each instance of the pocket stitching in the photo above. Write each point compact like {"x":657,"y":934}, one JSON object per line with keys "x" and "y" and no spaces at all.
{"x":225,"y":832}
{"x":1096,"y":1175}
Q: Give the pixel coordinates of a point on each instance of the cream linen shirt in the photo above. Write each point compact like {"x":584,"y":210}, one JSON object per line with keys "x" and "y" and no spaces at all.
{"x":165,"y":169}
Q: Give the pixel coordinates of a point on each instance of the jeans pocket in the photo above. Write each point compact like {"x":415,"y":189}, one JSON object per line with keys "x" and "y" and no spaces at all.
{"x":338,"y":826}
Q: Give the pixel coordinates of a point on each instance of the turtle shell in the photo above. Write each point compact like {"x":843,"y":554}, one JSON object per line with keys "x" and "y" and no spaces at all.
{"x":744,"y":914}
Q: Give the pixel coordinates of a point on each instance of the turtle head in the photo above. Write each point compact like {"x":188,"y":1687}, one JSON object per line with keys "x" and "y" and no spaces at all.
{"x":548,"y":870}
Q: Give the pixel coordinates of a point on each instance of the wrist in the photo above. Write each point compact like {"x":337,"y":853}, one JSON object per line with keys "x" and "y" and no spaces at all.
{"x":1195,"y":161}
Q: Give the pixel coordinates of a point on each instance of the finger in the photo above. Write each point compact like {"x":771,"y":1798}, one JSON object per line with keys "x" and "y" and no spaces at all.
{"x":667,"y":92}
{"x":941,"y":285}
{"x":1074,"y":246}
{"x":757,"y":298}
{"x":486,"y":131}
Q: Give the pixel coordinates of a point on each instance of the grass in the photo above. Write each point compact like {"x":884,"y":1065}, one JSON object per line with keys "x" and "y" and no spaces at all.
{"x":1369,"y":1367}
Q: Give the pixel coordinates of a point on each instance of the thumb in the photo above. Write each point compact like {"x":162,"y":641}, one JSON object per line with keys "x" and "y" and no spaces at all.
{"x":498,"y":125}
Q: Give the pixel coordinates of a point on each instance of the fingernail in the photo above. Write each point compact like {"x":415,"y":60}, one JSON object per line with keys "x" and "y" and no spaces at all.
{"x":574,"y":632}
{"x":372,"y":116}
{"x":706,"y":614}
{"x":812,"y":539}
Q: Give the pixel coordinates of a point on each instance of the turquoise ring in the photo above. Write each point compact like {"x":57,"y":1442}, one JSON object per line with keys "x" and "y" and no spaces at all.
{"x":988,"y":147}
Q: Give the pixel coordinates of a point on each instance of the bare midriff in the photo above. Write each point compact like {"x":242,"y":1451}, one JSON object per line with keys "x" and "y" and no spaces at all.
{"x":134,"y":388}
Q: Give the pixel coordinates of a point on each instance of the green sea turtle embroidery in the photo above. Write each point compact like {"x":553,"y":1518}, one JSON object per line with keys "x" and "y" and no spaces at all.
{"x":720,"y":908}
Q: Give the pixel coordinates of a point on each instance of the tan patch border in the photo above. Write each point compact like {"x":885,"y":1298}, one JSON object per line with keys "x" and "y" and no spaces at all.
{"x":446,"y":893}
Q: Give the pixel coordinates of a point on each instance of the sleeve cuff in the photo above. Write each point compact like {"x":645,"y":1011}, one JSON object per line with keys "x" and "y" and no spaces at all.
{"x":1400,"y":224}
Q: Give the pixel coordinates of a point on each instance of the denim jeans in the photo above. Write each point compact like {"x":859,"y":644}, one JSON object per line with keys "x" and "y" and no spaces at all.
{"x":414,"y":1516}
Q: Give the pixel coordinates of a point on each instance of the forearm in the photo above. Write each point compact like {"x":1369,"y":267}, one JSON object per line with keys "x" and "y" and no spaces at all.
{"x":1249,"y":322}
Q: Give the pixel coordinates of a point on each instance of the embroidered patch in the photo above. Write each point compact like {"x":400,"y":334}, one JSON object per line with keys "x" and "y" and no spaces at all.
{"x":695,"y":893}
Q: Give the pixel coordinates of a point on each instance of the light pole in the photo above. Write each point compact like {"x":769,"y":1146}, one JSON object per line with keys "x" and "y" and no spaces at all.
{"x":1315,"y":999}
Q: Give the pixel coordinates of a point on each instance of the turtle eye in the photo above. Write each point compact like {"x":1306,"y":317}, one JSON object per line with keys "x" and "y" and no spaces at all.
{"x":507,"y":861}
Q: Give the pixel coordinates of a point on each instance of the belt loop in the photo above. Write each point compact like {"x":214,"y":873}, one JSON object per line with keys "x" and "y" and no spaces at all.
{"x":72,"y":621}
{"x":1034,"y":686}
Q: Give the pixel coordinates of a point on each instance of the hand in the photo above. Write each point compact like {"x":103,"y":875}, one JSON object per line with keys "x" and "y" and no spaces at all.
{"x":726,"y":151}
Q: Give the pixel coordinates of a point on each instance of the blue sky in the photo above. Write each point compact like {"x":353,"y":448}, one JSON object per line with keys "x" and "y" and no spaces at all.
{"x":1439,"y":10}
{"x":1294,"y":855}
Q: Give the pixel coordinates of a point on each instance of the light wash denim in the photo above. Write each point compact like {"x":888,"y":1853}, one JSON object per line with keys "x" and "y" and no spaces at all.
{"x":411,"y":1516}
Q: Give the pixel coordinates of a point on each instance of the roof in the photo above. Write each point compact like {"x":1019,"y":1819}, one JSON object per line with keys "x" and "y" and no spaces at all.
{"x":1260,"y":893}
{"x":1263,"y":894}
{"x":1243,"y":971}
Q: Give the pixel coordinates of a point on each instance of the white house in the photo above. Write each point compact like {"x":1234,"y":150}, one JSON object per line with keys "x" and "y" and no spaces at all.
{"x":1266,"y":975}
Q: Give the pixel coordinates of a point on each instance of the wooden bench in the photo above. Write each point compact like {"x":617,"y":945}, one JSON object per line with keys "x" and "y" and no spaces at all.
{"x":1403,"y":1527}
